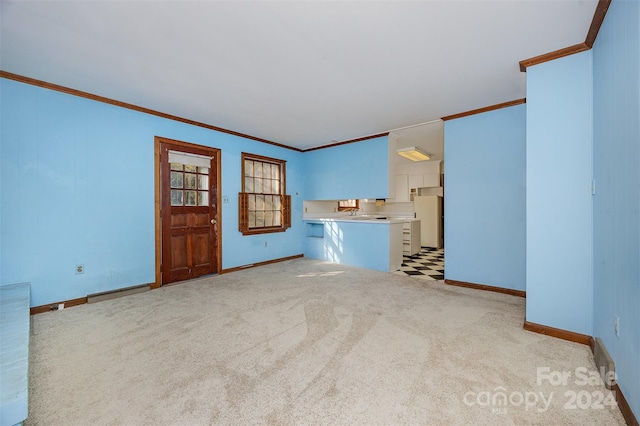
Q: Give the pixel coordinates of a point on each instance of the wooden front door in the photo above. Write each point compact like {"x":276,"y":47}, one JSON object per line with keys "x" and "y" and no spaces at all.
{"x":189,"y":210}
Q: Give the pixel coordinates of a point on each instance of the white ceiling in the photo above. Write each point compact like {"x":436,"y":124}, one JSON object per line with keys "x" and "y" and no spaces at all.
{"x":429,"y":137}
{"x":303,"y":74}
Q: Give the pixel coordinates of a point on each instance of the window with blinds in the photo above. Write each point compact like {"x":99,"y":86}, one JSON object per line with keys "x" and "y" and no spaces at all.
{"x":263,"y":205}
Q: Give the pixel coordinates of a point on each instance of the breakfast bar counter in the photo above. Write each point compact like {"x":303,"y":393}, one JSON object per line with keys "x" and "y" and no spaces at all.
{"x":368,"y":242}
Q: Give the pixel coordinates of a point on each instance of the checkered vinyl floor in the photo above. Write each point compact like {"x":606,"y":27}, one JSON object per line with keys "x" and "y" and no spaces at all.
{"x":428,"y":264}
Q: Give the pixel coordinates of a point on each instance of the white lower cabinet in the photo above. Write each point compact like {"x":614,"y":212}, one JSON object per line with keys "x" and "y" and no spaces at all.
{"x":411,"y":237}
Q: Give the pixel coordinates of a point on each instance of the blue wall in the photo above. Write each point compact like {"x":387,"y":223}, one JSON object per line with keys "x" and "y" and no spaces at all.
{"x":559,"y":204}
{"x":616,"y":209}
{"x":485,"y":198}
{"x":365,"y":245}
{"x":77,"y":184}
{"x":356,"y":170}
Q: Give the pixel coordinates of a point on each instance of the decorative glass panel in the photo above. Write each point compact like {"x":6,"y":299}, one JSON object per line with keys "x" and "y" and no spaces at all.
{"x":176,"y":197}
{"x":176,"y":179}
{"x":203,"y":182}
{"x":189,"y":181}
{"x":190,"y":198}
{"x":190,"y":168}
{"x":176,"y":166}
{"x":203,"y":198}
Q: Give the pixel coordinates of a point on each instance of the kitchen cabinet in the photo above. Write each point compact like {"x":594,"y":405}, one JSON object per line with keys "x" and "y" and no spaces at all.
{"x":402,"y":188}
{"x":424,"y":180}
{"x":411,"y":237}
{"x":416,"y":181}
{"x":431,"y":180}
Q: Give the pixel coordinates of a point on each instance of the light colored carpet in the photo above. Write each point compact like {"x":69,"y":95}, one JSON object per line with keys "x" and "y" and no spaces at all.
{"x":304,"y":342}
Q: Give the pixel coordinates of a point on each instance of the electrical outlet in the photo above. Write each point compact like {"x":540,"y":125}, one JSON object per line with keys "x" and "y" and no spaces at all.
{"x":616,"y":325}
{"x":225,"y":199}
{"x":79,"y":268}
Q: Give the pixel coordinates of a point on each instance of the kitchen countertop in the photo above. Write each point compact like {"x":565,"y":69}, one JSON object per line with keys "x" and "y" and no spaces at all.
{"x":356,"y":219}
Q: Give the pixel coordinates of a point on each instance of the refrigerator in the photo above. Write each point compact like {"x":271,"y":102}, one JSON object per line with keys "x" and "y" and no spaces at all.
{"x":429,"y":210}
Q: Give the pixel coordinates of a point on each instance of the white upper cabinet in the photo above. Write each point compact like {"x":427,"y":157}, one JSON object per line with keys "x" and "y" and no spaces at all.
{"x":424,"y":174}
{"x":431,"y":180}
{"x":402,"y":188}
{"x":424,"y":180}
{"x":416,"y":181}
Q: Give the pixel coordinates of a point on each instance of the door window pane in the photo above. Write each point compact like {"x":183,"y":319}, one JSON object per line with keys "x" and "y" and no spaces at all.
{"x":203,"y":198}
{"x":190,"y":168}
{"x":203,"y":170}
{"x":190,"y":198}
{"x":203,"y":182}
{"x":176,"y":179}
{"x":176,"y":197}
{"x":189,"y":181}
{"x":176,"y":166}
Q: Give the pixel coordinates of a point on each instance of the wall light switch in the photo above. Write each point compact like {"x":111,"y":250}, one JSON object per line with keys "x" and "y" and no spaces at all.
{"x":225,"y":199}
